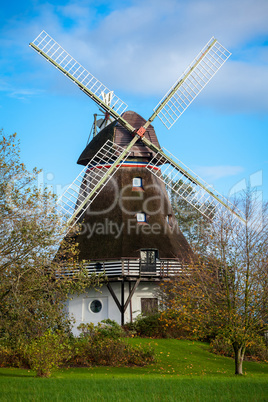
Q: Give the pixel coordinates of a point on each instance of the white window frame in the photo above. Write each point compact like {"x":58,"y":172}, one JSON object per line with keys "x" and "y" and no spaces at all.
{"x":141,"y":217}
{"x":137,"y":182}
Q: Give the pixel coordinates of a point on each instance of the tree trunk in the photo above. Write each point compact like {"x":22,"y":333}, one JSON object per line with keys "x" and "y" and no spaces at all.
{"x":239,"y":351}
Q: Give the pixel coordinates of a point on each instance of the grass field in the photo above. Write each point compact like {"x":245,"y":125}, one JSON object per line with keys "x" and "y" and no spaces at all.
{"x":184,"y":371}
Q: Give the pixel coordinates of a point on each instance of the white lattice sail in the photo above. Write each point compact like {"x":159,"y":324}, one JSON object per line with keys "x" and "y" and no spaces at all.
{"x":88,"y":184}
{"x":53,"y":52}
{"x":191,"y":82}
{"x":180,"y":179}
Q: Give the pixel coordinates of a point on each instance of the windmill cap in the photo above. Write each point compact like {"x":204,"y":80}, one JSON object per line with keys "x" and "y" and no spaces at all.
{"x":122,"y":137}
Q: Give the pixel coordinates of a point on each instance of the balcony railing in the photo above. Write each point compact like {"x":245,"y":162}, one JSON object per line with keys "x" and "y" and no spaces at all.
{"x":128,"y":267}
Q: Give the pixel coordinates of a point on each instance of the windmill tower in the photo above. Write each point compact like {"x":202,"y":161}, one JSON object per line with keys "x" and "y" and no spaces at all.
{"x":128,"y":226}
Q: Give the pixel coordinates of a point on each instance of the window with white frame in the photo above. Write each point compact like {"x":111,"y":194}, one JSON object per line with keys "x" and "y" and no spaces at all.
{"x":141,"y":217}
{"x":137,"y":182}
{"x":95,"y":306}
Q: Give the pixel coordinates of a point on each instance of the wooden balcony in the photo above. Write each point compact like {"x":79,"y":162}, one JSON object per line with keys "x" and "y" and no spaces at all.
{"x":130,"y":268}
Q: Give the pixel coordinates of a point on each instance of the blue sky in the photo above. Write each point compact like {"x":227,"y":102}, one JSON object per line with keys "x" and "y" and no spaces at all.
{"x":138,"y":49}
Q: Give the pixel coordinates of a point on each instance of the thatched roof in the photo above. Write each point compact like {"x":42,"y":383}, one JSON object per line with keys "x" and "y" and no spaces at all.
{"x":111,"y":229}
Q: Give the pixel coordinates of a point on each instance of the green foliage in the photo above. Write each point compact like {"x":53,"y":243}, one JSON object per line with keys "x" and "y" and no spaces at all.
{"x":109,"y":352}
{"x":34,"y":286}
{"x":147,"y":326}
{"x":224,"y":290}
{"x":10,"y":357}
{"x":102,"y":345}
{"x":166,"y":324}
{"x":47,"y":353}
{"x":104,"y":329}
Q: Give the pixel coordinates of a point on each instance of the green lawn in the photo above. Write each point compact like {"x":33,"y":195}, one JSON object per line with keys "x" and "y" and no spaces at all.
{"x":184,"y":371}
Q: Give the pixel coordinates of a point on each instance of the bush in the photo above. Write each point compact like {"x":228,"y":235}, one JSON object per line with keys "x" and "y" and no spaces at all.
{"x":166,"y":324}
{"x":105,"y":329}
{"x":47,"y":353}
{"x":109,"y":352}
{"x":103,"y":345}
{"x":97,"y":345}
{"x":12,"y":357}
{"x":9,"y":357}
{"x":146,"y":326}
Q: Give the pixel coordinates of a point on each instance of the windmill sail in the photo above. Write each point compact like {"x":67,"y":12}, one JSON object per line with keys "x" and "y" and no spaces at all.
{"x":191,"y":83}
{"x":189,"y":186}
{"x":63,"y":61}
{"x":88,"y":184}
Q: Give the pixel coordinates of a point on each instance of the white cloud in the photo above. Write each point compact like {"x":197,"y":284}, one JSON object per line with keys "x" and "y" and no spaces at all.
{"x":213,"y":173}
{"x":143,"y":47}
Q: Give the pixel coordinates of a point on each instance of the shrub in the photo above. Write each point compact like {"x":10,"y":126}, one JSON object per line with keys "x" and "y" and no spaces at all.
{"x":97,"y":345}
{"x":103,"y":345}
{"x":9,"y":358}
{"x":166,"y":324}
{"x":12,"y":357}
{"x":105,"y":329}
{"x":147,"y":326}
{"x":47,"y":353}
{"x":110,"y":352}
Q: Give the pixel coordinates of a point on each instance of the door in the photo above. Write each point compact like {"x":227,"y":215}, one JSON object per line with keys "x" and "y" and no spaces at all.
{"x":148,"y":261}
{"x":149,"y":305}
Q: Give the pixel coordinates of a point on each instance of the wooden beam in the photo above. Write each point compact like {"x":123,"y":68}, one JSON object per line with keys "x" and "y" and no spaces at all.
{"x":131,"y":294}
{"x":123,"y":305}
{"x":114,"y":297}
{"x":122,"y":302}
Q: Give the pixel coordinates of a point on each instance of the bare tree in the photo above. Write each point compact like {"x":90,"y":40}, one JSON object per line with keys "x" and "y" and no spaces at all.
{"x":224,"y":291}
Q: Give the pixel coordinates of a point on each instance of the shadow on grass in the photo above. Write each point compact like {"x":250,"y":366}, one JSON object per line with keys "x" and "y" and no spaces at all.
{"x":10,"y":372}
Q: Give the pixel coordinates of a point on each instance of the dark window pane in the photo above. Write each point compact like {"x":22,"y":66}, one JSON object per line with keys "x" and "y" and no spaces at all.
{"x":95,"y":306}
{"x":149,"y":305}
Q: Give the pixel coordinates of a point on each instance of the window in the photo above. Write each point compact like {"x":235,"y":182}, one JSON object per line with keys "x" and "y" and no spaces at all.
{"x":169,"y":219}
{"x":98,"y":266}
{"x":141,"y":217}
{"x":149,"y":305}
{"x":95,"y":306}
{"x":137,"y":182}
{"x":148,"y":260}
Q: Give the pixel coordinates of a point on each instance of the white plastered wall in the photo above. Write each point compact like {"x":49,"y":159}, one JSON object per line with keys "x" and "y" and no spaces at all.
{"x":79,"y":306}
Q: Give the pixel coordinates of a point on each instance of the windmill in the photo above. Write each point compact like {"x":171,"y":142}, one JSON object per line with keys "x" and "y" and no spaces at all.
{"x":109,"y":157}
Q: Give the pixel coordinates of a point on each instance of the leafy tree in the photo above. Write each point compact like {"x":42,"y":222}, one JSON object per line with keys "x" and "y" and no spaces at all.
{"x":33,"y":290}
{"x":224,"y":291}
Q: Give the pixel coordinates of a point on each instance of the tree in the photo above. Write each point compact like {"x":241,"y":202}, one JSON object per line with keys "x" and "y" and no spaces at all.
{"x":224,"y":291}
{"x":33,"y":291}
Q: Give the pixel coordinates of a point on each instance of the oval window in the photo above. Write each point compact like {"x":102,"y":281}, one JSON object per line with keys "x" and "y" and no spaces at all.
{"x":95,"y":306}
